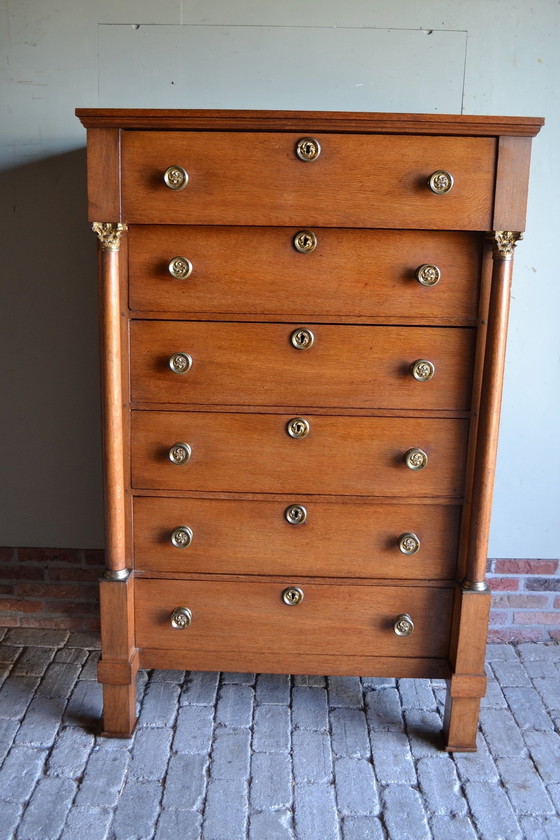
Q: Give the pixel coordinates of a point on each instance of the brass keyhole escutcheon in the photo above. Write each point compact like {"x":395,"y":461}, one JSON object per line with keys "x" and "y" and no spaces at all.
{"x":308,"y":149}
{"x":428,"y":274}
{"x":292,"y":596}
{"x":409,"y":543}
{"x":296,"y":514}
{"x":305,"y":241}
{"x":302,"y":339}
{"x":298,"y":428}
{"x":180,"y":268}
{"x":176,"y":178}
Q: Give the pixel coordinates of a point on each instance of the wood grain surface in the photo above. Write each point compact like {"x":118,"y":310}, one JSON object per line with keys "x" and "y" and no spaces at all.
{"x":489,"y":424}
{"x":360,"y":121}
{"x":341,"y":455}
{"x":103,"y":173}
{"x":337,"y":539}
{"x":251,"y":615}
{"x":357,"y":181}
{"x":257,"y":364}
{"x":243,"y":270}
{"x":114,"y":417}
{"x":512,"y":179}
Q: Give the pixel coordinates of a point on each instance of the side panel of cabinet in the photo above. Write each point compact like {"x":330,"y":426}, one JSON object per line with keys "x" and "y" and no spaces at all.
{"x":103,"y":174}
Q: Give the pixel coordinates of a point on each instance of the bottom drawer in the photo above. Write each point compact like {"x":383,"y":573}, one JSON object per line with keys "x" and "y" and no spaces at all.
{"x":249,"y":615}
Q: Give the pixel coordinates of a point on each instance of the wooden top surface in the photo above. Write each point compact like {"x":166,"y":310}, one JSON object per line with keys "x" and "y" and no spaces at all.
{"x":336,"y":121}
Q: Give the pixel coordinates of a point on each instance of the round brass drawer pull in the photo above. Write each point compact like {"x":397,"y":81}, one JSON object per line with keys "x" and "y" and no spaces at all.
{"x":292,"y":596}
{"x":440,"y":182}
{"x":409,"y":543}
{"x":179,"y":453}
{"x":181,"y":618}
{"x":308,"y":149}
{"x":428,"y":274}
{"x":176,"y":178}
{"x":180,"y":362}
{"x":181,"y":536}
{"x":415,"y":459}
{"x":180,"y":268}
{"x":296,"y":514}
{"x":298,"y":428}
{"x":302,"y":339}
{"x":305,"y":241}
{"x":422,"y":370}
{"x":403,"y":625}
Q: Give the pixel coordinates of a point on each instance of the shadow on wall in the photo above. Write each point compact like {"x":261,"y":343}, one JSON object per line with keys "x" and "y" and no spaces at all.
{"x":51,"y":492}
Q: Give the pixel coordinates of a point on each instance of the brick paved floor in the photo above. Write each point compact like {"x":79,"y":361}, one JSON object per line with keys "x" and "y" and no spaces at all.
{"x":239,"y":757}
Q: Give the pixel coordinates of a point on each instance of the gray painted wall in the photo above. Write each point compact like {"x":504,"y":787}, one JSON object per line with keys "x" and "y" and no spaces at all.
{"x":481,"y":56}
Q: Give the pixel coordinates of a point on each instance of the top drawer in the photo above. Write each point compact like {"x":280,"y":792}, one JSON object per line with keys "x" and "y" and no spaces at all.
{"x":247,"y":178}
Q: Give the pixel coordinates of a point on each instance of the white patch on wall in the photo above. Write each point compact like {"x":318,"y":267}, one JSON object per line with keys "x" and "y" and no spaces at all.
{"x":309,"y":68}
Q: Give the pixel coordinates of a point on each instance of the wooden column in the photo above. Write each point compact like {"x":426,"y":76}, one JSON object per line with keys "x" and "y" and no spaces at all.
{"x":491,"y":401}
{"x":109,"y":239}
{"x":468,"y":683}
{"x":119,"y":662}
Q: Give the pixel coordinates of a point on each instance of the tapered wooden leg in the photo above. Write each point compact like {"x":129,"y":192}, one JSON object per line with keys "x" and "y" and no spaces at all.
{"x":119,"y":660}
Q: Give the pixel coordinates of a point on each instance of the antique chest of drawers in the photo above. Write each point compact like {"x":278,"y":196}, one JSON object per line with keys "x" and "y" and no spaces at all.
{"x":303,"y":336}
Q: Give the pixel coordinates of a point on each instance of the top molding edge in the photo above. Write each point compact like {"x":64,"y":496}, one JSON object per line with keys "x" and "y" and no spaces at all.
{"x":315,"y":121}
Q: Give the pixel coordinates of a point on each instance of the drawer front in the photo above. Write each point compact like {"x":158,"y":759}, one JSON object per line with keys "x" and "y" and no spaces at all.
{"x":256,"y":271}
{"x":331,"y":619}
{"x":299,"y":364}
{"x":357,"y":181}
{"x":334,"y":539}
{"x":339,"y":456}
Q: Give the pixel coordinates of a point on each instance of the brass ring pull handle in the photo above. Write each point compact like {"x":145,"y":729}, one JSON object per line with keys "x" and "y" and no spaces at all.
{"x":180,"y":362}
{"x":292,"y":596}
{"x":440,"y":182}
{"x":181,"y":536}
{"x":308,"y":149}
{"x":415,"y":459}
{"x":298,"y":428}
{"x":176,"y":178}
{"x":403,"y":625}
{"x":179,"y":453}
{"x":180,"y":268}
{"x":181,"y":618}
{"x":296,"y":514}
{"x":409,"y":543}
{"x":428,"y":274}
{"x":422,"y":370}
{"x":302,"y":339}
{"x":305,"y":241}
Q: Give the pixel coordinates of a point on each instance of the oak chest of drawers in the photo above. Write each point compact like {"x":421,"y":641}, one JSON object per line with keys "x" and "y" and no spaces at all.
{"x":303,"y":321}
